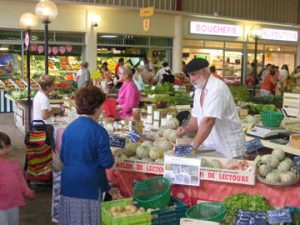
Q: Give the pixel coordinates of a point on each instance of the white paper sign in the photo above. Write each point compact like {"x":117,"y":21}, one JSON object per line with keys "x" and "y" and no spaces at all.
{"x":215,"y":29}
{"x":184,"y":171}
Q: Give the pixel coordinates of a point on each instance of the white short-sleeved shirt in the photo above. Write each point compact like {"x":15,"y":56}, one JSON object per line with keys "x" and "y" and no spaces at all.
{"x":226,"y":136}
{"x":40,"y":102}
{"x":161,"y":72}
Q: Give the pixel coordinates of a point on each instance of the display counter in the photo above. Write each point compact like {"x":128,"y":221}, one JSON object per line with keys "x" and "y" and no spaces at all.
{"x":209,"y":190}
{"x":191,"y":195}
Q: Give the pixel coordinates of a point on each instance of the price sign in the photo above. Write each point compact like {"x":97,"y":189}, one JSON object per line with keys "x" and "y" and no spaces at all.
{"x":296,"y":162}
{"x":117,"y":141}
{"x":134,"y":136}
{"x":253,"y":145}
{"x":246,"y":217}
{"x":182,"y":150}
{"x":279,"y":216}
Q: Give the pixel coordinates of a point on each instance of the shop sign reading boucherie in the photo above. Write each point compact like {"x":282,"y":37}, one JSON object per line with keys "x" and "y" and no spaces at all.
{"x":213,"y":174}
{"x":215,"y":29}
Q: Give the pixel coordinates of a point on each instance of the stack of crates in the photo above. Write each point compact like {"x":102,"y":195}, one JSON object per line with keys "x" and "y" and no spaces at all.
{"x":170,"y":215}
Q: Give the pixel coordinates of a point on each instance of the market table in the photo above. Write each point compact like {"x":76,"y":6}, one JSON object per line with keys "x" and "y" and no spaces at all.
{"x":210,"y":190}
{"x":207,"y":191}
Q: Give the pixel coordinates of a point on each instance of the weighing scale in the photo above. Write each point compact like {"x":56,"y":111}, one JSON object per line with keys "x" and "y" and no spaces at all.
{"x":266,"y":132}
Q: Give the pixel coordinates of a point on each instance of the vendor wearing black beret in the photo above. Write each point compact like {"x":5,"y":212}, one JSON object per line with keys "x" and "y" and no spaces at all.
{"x":214,"y":116}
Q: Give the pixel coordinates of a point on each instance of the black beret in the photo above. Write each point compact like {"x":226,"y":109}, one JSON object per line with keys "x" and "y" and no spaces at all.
{"x":195,"y":64}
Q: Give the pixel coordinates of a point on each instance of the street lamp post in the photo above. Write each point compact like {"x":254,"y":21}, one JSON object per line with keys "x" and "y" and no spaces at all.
{"x":28,"y":21}
{"x":46,"y":11}
{"x":255,"y":33}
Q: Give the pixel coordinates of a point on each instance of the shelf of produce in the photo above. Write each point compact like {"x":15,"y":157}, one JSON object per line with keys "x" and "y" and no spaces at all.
{"x":286,"y":148}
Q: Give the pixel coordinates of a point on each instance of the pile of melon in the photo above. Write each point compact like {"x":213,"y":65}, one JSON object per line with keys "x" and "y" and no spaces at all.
{"x":147,"y":151}
{"x":168,"y":131}
{"x":152,"y":151}
{"x":128,"y":210}
{"x":275,"y":168}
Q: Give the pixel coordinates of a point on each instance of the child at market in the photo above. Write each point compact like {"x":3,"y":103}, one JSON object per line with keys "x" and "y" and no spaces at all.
{"x":13,"y":186}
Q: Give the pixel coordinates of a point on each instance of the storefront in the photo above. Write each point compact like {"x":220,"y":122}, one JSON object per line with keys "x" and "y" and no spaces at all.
{"x":133,"y":48}
{"x":65,"y":53}
{"x":231,"y":50}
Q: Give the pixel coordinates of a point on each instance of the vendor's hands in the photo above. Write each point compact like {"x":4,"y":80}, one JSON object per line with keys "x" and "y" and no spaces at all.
{"x":180,"y":131}
{"x":119,"y":107}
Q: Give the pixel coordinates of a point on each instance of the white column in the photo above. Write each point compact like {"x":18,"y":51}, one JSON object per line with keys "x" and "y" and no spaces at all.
{"x":90,"y":51}
{"x":297,"y":57}
{"x":177,"y":45}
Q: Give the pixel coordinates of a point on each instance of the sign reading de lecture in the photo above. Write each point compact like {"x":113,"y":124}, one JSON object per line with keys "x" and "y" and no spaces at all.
{"x":215,"y":29}
{"x":279,"y":35}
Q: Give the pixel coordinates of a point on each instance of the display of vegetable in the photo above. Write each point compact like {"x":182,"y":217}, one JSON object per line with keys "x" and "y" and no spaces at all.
{"x":181,"y":99}
{"x":245,"y":202}
{"x":240,"y":93}
{"x":165,"y":88}
{"x":18,"y":94}
{"x":257,"y":108}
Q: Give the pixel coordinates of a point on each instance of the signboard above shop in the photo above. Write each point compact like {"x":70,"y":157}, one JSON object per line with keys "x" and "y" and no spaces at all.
{"x":279,"y":35}
{"x":229,"y":30}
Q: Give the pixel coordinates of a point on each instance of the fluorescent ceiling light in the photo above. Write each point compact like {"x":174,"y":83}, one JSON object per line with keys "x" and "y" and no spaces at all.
{"x":3,"y":48}
{"x":109,"y":36}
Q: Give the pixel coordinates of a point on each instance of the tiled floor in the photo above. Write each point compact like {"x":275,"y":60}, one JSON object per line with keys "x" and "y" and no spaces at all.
{"x":38,"y":211}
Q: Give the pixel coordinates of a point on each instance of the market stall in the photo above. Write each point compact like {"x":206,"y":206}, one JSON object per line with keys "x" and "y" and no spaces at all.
{"x":144,"y":146}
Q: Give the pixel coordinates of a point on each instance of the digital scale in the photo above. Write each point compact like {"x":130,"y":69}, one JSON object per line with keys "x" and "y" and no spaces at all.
{"x":267,"y":133}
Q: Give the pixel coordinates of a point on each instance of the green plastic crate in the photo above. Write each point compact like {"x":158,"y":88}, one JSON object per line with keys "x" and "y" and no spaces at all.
{"x":170,"y":215}
{"x":271,"y":119}
{"x":211,"y":211}
{"x":108,"y":219}
{"x":153,"y":192}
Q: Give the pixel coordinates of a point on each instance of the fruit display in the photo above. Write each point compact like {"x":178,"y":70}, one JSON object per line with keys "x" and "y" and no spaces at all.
{"x":63,"y":86}
{"x":20,"y":84}
{"x":33,"y":84}
{"x":2,"y":85}
{"x":276,"y":169}
{"x":8,"y":84}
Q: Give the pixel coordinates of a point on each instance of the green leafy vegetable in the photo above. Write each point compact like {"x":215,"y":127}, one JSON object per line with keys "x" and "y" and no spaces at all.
{"x":240,"y":93}
{"x":245,"y":202}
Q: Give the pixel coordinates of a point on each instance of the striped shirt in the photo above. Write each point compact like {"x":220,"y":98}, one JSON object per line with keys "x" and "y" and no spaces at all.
{"x":226,"y":136}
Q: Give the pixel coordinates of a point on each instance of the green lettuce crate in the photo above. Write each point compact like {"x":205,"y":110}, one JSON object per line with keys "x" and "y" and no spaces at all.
{"x":170,"y":215}
{"x":108,"y":219}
